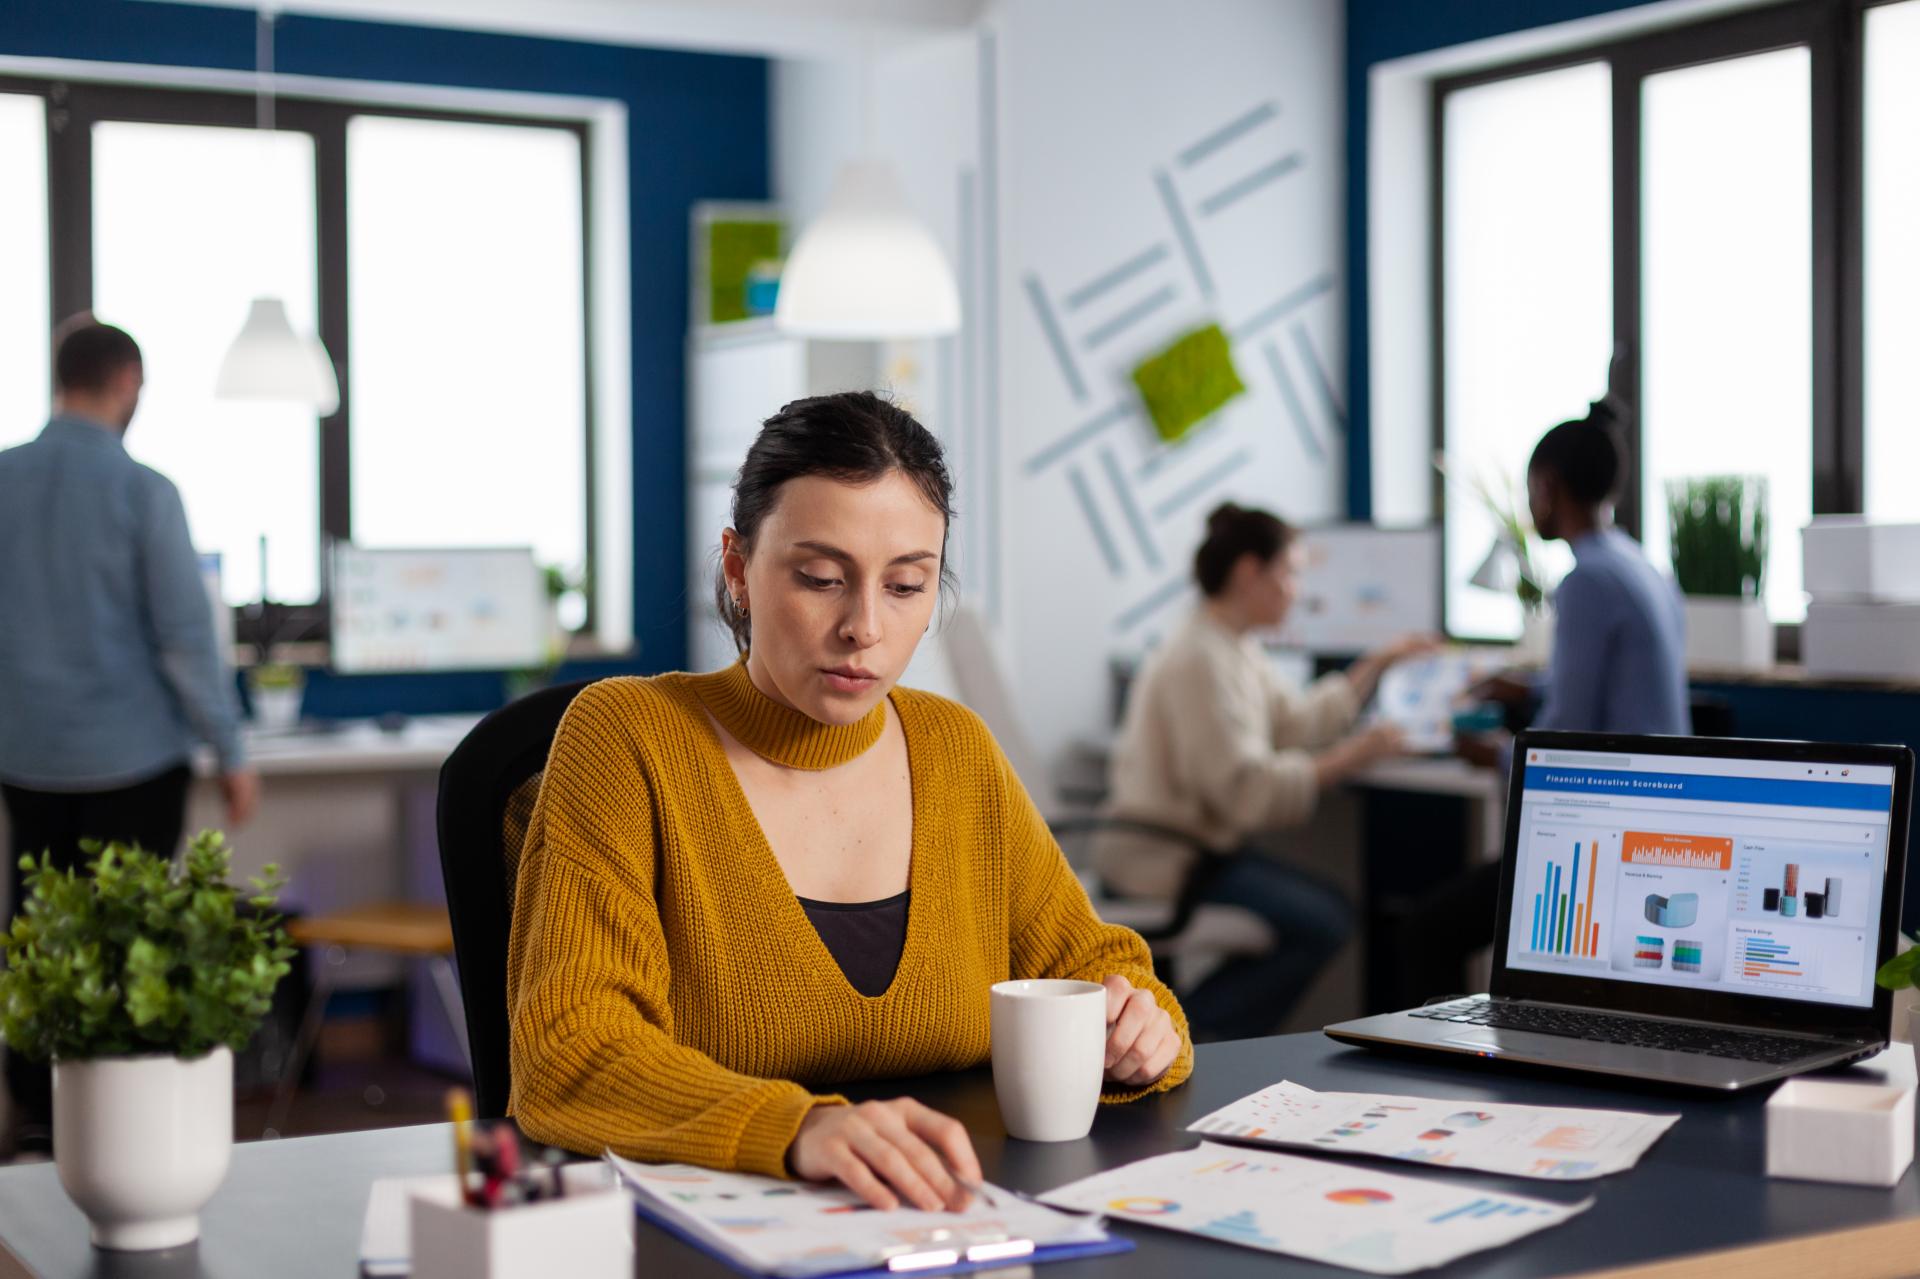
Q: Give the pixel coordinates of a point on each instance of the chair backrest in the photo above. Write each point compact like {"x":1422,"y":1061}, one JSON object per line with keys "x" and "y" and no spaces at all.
{"x":981,"y":680}
{"x":487,"y":789}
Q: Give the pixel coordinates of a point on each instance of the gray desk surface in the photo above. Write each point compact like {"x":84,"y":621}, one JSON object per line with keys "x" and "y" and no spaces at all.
{"x":293,"y":1208}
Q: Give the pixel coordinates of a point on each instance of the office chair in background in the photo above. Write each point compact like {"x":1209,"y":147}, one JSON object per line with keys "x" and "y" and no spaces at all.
{"x":487,"y":789}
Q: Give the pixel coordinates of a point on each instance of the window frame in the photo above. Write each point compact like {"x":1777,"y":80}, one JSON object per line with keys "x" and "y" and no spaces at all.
{"x":1832,"y":31}
{"x":75,"y":106}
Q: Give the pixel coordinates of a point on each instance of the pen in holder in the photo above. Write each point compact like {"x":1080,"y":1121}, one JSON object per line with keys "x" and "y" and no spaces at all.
{"x":504,"y":1217}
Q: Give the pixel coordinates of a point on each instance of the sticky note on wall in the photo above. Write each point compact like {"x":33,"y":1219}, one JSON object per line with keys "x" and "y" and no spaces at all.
{"x":1188,"y":381}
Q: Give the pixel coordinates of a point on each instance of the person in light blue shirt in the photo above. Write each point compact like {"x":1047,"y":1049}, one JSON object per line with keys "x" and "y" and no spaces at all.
{"x":1618,"y":666}
{"x":1619,"y":633}
{"x":110,"y":671}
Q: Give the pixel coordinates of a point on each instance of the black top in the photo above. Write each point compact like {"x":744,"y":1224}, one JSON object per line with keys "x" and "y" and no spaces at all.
{"x":865,"y":938}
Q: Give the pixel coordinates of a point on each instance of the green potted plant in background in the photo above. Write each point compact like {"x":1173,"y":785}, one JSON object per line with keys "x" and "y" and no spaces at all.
{"x":1513,"y":562}
{"x":138,"y":979}
{"x":1718,"y":526}
{"x":1902,"y":973}
{"x":276,"y":689}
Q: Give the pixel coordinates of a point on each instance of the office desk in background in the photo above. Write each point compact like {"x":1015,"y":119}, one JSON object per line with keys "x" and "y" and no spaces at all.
{"x":292,"y":1209}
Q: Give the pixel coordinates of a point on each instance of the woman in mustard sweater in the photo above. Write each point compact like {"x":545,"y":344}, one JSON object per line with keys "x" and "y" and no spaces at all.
{"x":741,"y":887}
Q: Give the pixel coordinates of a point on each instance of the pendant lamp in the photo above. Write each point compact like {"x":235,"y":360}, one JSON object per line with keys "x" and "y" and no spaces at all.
{"x":867,"y":269}
{"x":268,"y":360}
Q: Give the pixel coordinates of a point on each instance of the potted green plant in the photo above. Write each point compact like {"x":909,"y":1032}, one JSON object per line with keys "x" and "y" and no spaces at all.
{"x":1514,"y":562}
{"x":276,"y":689}
{"x":1718,"y":528}
{"x":138,"y":979}
{"x":1902,"y":972}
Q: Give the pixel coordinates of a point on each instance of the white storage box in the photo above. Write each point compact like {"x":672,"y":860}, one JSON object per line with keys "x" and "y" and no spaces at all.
{"x":1862,"y":640}
{"x":582,"y":1236}
{"x":1836,"y":1129}
{"x":1845,"y":557}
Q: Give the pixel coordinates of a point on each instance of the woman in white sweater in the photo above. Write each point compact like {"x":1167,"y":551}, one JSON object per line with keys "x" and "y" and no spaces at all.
{"x":1217,"y":746}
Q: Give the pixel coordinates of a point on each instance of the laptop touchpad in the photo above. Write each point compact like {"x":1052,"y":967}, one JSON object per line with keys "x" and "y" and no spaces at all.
{"x":1510,"y":1041}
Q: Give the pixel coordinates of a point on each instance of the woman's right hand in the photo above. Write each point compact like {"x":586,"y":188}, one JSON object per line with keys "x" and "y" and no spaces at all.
{"x":888,"y":1152}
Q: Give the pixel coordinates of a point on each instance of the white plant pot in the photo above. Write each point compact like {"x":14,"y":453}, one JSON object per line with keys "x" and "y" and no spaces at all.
{"x":1536,"y":638}
{"x":1728,"y":634}
{"x":142,"y":1143}
{"x":277,"y":710}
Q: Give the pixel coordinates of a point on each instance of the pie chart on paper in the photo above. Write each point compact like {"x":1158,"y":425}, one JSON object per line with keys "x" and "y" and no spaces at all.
{"x":1468,"y":1119}
{"x":1359,"y":1197}
{"x":1143,"y":1206}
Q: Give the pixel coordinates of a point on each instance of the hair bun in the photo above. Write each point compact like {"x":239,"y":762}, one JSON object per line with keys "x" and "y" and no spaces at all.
{"x":1223,"y":517}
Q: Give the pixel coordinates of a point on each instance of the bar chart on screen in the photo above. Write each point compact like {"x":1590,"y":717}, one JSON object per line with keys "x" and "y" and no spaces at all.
{"x":1568,"y":906}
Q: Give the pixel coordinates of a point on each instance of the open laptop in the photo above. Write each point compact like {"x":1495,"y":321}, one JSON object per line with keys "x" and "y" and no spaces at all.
{"x":1702,"y":911}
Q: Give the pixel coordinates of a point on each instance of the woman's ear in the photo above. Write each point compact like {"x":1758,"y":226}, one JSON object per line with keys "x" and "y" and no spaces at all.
{"x":733,"y":565}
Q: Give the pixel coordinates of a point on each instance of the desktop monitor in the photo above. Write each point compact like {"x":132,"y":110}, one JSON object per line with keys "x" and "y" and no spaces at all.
{"x":437,"y":609}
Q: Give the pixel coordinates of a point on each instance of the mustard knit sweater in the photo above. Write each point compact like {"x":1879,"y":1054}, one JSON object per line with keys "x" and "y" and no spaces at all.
{"x":668,"y":995}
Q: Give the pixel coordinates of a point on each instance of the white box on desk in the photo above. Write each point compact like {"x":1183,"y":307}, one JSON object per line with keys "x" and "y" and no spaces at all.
{"x":1855,"y":1127}
{"x":586,"y":1236}
{"x":1846,"y":557}
{"x":1862,"y":639}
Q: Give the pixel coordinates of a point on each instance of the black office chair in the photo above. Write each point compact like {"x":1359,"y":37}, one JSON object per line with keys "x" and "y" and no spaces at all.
{"x":487,"y":790}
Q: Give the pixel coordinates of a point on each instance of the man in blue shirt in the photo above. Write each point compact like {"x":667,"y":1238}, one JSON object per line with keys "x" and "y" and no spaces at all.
{"x":110,"y":671}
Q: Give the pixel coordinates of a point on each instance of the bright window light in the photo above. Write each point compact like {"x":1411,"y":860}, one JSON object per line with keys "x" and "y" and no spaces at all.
{"x":469,"y":336}
{"x":1727,"y":284}
{"x":190,"y":223}
{"x":1528,"y":262}
{"x":24,"y":397}
{"x":1892,"y":261}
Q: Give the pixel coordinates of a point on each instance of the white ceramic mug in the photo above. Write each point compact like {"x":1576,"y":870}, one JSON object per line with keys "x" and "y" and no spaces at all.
{"x":1049,"y":1056}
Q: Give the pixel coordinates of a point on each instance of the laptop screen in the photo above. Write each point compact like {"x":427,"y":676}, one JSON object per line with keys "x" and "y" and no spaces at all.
{"x":1723,"y":876}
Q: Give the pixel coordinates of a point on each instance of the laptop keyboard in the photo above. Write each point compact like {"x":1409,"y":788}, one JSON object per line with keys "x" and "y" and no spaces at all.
{"x":1604,"y":1028}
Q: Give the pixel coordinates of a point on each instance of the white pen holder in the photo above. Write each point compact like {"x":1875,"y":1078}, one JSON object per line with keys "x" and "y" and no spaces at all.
{"x":583,"y":1236}
{"x":1855,"y":1127}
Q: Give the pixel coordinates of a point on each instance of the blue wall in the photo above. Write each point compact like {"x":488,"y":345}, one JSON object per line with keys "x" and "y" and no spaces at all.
{"x":696,"y":129}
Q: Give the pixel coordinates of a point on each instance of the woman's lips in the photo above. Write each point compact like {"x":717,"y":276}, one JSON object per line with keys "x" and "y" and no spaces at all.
{"x":843,"y":682}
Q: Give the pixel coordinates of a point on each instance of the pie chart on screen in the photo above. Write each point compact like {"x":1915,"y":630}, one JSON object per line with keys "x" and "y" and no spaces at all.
{"x":1359,"y":1197}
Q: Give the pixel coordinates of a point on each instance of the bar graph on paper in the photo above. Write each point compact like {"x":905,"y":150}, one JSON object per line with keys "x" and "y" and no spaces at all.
{"x":1568,"y":915}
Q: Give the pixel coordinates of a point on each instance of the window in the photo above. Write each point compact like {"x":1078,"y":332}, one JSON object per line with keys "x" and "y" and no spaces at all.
{"x":469,"y":330}
{"x":24,"y":308}
{"x":1747,"y":336}
{"x":1892,"y":211}
{"x":1727,"y":281}
{"x":465,"y":414}
{"x":189,"y":224}
{"x":1528,"y":257}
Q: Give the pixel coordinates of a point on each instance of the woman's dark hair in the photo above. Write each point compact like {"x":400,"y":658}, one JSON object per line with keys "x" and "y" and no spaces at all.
{"x":1586,"y":453}
{"x":1233,"y":531}
{"x":855,"y":437}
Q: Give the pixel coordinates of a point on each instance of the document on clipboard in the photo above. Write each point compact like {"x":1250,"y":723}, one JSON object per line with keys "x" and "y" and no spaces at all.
{"x":803,"y":1230}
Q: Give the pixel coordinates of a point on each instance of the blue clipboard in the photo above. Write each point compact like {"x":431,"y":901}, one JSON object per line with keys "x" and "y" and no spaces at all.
{"x":1038,"y":1257}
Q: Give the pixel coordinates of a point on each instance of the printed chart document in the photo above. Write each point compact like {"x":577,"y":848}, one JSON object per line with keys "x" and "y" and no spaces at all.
{"x":1549,"y":1142}
{"x":1311,"y":1208}
{"x":796,"y":1228}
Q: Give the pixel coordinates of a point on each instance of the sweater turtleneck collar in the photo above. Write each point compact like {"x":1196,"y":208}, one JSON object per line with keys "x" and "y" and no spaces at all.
{"x":779,"y":733}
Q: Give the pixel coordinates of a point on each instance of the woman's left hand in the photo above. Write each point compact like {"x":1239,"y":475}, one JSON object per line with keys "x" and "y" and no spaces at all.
{"x":1141,"y":1040}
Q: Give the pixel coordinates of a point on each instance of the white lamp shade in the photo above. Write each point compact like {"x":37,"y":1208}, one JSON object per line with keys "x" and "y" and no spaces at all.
{"x":269,"y":361}
{"x":867,"y":270}
{"x":1500,"y":571}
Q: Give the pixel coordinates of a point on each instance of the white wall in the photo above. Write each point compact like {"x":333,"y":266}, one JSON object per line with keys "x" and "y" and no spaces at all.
{"x":1108,"y":107}
{"x":1059,"y":143}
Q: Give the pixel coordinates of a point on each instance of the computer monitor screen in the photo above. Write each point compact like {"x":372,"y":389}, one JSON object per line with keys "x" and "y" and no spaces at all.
{"x":1735,"y":876}
{"x":437,"y":609}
